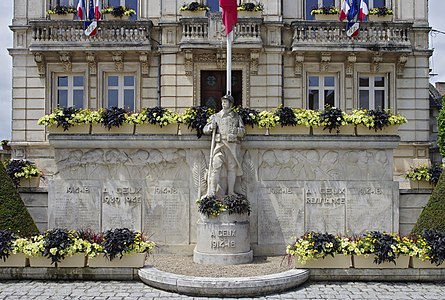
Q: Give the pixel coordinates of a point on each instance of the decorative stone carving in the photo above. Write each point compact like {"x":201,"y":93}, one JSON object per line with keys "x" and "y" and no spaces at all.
{"x":188,"y":63}
{"x":199,"y":171}
{"x":375,"y":64}
{"x":299,"y":60}
{"x":144,"y":60}
{"x":403,"y":59}
{"x":92,"y":64}
{"x":65,"y":59}
{"x":220,"y":59}
{"x":352,"y":58}
{"x":325,"y":61}
{"x":41,"y":66}
{"x":249,"y":174}
{"x":206,"y":57}
{"x":118,"y":61}
{"x":254,"y":57}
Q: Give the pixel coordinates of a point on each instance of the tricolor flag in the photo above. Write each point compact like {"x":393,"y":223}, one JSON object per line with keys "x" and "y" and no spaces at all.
{"x":353,"y":10}
{"x":81,"y":11}
{"x":344,"y":10}
{"x":363,"y":11}
{"x":97,"y":9}
{"x":90,"y":28}
{"x":229,"y":14}
{"x":91,"y":10}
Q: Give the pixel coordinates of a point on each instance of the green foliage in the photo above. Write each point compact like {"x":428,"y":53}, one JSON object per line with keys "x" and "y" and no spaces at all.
{"x":62,"y":10}
{"x":13,"y":214}
{"x":194,"y":6}
{"x":21,"y":168}
{"x":441,"y":127}
{"x":196,"y":118}
{"x":433,"y":214}
{"x":427,"y":173}
{"x":237,"y":204}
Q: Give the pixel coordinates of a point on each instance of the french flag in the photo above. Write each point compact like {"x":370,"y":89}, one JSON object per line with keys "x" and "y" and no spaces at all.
{"x":97,"y":9}
{"x":344,"y":10}
{"x":363,"y":12}
{"x":81,"y":11}
{"x":229,"y":14}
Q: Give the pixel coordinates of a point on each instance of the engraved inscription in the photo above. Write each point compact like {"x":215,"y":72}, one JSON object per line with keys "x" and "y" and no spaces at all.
{"x":223,"y":238}
{"x":326,"y":196}
{"x":127,"y":195}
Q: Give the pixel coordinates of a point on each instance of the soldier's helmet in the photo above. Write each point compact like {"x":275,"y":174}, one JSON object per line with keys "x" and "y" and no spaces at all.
{"x":228,"y":97}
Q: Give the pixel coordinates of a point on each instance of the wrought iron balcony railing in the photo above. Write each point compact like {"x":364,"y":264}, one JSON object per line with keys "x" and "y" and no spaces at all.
{"x":63,"y":35}
{"x":316,"y":35}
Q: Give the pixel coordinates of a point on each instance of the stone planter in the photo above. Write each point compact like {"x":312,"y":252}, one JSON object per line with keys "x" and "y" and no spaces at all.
{"x":56,"y":17}
{"x":184,"y":130}
{"x":361,"y":262}
{"x":389,"y":130}
{"x":124,"y":129}
{"x":193,"y":14}
{"x":32,"y":182}
{"x":75,"y":261}
{"x":77,"y":129}
{"x":289,"y":130}
{"x":110,"y":17}
{"x":419,"y":264}
{"x":249,"y":14}
{"x":420,"y":184}
{"x":223,"y":240}
{"x":255,"y":130}
{"x":136,"y":260}
{"x":376,"y":18}
{"x":339,"y":261}
{"x":344,"y":130}
{"x":155,"y":129}
{"x":321,"y":17}
{"x":14,"y":261}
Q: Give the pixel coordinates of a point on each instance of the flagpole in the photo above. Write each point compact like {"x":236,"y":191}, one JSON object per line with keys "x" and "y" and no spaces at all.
{"x":229,"y":64}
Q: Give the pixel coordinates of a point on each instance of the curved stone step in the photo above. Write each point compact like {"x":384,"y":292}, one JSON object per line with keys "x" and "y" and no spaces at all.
{"x":223,"y":286}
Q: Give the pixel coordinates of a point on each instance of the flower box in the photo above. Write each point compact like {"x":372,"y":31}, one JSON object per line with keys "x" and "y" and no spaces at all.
{"x":76,"y":129}
{"x":344,"y":130}
{"x":420,"y":184}
{"x":156,"y":129}
{"x":249,"y":14}
{"x":14,"y":261}
{"x":339,"y":261}
{"x":288,"y":130}
{"x":362,"y":262}
{"x":193,"y":14}
{"x":32,"y":182}
{"x":75,"y":261}
{"x":326,"y":17}
{"x":389,"y":130}
{"x":255,"y":130}
{"x":56,"y":17}
{"x":417,"y":263}
{"x":377,"y":18}
{"x":123,"y":129}
{"x":185,"y":130}
{"x":136,"y":260}
{"x":110,"y":17}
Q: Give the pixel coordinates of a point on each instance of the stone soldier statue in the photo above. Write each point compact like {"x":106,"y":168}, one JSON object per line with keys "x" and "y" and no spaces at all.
{"x":225,"y":159}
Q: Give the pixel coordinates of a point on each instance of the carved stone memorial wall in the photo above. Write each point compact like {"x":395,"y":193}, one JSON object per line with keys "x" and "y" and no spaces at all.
{"x":334,"y":184}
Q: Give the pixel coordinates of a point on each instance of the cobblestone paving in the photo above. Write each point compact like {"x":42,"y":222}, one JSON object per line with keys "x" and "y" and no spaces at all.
{"x":114,"y":290}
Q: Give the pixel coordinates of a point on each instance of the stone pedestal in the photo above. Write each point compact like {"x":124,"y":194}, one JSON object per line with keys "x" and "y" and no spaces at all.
{"x":223,"y":240}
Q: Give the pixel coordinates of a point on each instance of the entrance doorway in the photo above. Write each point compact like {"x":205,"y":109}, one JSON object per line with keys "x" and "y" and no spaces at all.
{"x":213,"y":87}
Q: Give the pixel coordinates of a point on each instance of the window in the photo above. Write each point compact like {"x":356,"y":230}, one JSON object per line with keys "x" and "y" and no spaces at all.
{"x":128,"y":3}
{"x":70,"y":91}
{"x":372,"y":92}
{"x":120,"y":91}
{"x":63,"y":3}
{"x":313,"y":4}
{"x":378,"y":3}
{"x":321,"y":91}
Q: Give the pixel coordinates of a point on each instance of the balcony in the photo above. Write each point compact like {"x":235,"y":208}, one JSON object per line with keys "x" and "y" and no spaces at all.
{"x":70,"y":36}
{"x":209,"y":32}
{"x":331,"y":36}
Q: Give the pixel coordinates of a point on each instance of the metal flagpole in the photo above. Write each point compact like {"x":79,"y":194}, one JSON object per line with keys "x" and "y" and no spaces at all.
{"x":229,"y":63}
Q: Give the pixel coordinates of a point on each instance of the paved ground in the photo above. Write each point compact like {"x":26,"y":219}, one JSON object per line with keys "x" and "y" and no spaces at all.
{"x":39,"y":290}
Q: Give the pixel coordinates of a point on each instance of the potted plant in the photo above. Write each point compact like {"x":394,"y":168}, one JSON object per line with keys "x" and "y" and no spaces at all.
{"x":23,"y":173}
{"x":196,"y":119}
{"x":378,"y":121}
{"x":11,"y":250}
{"x":250,"y":119}
{"x":424,"y":176}
{"x":381,"y":250}
{"x":155,"y":120}
{"x":5,"y":145}
{"x":67,"y":120}
{"x":119,"y":247}
{"x":114,"y":119}
{"x":267,"y":119}
{"x":291,"y":121}
{"x":59,"y":12}
{"x":194,"y":9}
{"x":57,"y":247}
{"x":117,"y":12}
{"x":331,"y":119}
{"x":250,"y":10}
{"x":381,"y":14}
{"x":320,"y":250}
{"x":326,"y":13}
{"x":429,"y":249}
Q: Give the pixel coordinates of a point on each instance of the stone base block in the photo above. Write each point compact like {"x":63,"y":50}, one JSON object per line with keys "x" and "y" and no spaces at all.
{"x":223,"y":259}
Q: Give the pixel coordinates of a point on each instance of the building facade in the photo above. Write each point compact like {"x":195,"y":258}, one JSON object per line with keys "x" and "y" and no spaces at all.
{"x":160,"y":57}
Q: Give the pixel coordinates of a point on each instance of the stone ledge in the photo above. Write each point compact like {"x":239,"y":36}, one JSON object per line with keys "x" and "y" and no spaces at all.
{"x":419,"y":275}
{"x":224,"y":286}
